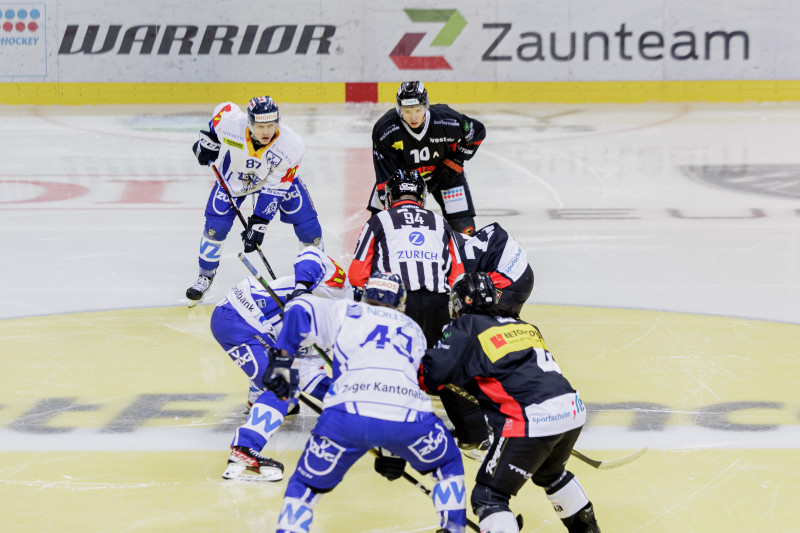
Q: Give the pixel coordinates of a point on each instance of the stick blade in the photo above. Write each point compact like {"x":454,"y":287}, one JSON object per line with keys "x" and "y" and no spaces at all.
{"x":616,"y":463}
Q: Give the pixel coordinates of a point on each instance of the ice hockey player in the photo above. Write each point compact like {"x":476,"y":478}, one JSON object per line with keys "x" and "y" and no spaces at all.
{"x":257,"y":156}
{"x":492,"y":250}
{"x":246,"y":324}
{"x":534,"y":412}
{"x":374,"y":401}
{"x":434,"y":140}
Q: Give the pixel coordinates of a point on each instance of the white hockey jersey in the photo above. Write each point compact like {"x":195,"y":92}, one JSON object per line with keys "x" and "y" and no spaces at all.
{"x":256,"y":306}
{"x":376,"y":355}
{"x":271,"y":168}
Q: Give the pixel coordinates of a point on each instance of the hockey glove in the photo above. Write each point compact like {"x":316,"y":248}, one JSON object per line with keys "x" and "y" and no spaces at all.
{"x":206,"y":149}
{"x":389,"y":465}
{"x":282,"y":376}
{"x":464,"y":152}
{"x":447,"y":169}
{"x":358,"y":294}
{"x":254,"y":234}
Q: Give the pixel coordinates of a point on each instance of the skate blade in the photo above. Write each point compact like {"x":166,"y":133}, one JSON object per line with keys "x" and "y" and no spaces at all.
{"x":239,"y":472}
{"x":193,"y":303}
{"x":474,"y":454}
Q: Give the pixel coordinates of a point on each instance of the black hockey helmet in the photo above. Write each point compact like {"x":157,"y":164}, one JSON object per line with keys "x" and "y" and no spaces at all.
{"x":405,"y":182}
{"x":262,"y":109}
{"x":411,"y":93}
{"x":471,"y":292}
{"x":387,"y":289}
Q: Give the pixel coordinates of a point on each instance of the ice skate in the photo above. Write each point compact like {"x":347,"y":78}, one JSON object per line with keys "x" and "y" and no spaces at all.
{"x":195,"y":292}
{"x":245,"y":464}
{"x":476,"y":452}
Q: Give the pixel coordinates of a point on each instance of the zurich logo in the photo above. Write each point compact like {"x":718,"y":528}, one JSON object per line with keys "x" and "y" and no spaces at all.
{"x":416,"y":238}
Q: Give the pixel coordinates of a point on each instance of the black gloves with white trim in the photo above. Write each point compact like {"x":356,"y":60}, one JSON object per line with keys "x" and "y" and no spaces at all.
{"x":282,"y":376}
{"x":253,"y":236}
{"x":206,"y":149}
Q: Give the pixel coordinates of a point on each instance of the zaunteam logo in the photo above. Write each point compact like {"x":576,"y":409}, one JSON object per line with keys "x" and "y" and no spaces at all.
{"x":454,"y":23}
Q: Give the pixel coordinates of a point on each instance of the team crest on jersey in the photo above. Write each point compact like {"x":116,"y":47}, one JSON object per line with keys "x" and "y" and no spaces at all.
{"x":321,"y":455}
{"x":398,"y":145}
{"x":273,"y":158}
{"x":430,"y":447}
{"x":249,"y":181}
{"x":354,"y":311}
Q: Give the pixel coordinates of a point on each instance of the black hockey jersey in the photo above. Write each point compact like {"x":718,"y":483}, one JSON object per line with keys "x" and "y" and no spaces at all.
{"x":505,"y":364}
{"x":492,"y":250}
{"x":446,"y":134}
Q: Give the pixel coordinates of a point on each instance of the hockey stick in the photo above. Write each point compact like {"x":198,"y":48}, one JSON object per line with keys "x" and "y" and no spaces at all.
{"x":611,"y":463}
{"x":261,"y":279}
{"x":224,"y":186}
{"x":408,"y":477}
{"x":600,"y":465}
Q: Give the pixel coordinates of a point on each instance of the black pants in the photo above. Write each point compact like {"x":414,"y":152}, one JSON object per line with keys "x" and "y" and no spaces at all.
{"x":540,"y":459}
{"x":430,"y":311}
{"x":515,"y":295}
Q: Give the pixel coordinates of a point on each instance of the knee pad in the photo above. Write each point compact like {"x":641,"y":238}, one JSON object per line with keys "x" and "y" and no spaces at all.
{"x":567,"y":496}
{"x":210,"y":255}
{"x":486,"y":500}
{"x":309,"y":233}
{"x":450,"y":501}
{"x":449,"y":494}
{"x":265,"y":418}
{"x":499,"y":522}
{"x":297,"y":511}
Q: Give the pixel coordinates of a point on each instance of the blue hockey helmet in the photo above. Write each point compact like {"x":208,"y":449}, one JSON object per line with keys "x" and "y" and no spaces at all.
{"x":411,"y":93}
{"x":262,"y":109}
{"x":386,"y":289}
{"x":405,"y":182}
{"x":471,"y":292}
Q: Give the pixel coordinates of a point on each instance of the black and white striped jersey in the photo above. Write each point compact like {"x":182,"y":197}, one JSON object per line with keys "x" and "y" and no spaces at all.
{"x":411,"y":241}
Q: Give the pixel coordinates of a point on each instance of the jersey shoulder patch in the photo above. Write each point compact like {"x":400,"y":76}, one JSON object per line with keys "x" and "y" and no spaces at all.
{"x":388,"y":124}
{"x":288,"y":146}
{"x":230,"y":126}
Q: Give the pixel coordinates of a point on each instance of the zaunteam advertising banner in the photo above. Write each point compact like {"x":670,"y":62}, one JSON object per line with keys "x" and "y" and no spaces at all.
{"x":368,"y":41}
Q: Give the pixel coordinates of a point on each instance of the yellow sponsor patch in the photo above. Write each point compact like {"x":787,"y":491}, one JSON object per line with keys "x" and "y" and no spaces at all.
{"x":398,"y":145}
{"x":499,"y":341}
{"x":230,"y":142}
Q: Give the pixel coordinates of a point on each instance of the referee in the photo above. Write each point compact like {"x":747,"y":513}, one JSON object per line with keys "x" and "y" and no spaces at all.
{"x":418,"y":244}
